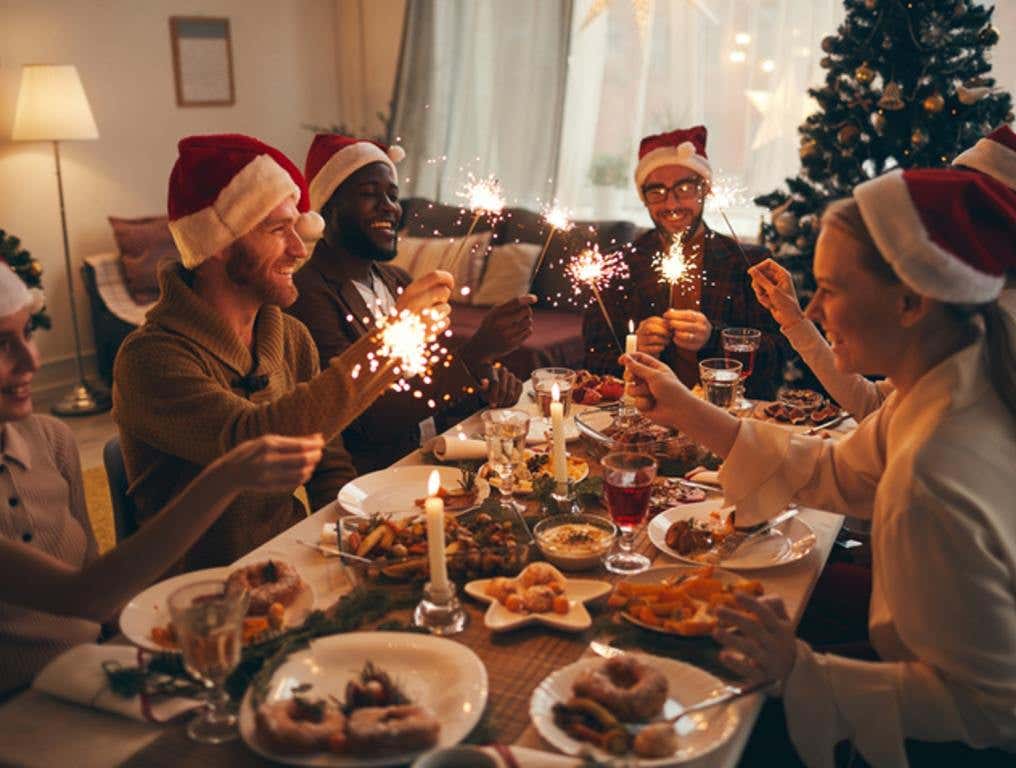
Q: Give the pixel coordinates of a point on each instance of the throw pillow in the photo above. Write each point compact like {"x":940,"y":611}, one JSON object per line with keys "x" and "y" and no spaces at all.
{"x":144,"y":244}
{"x":420,"y":255}
{"x":507,"y":275}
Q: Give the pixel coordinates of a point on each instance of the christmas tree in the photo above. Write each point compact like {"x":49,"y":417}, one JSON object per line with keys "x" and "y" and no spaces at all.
{"x":27,"y":268}
{"x":908,"y":85}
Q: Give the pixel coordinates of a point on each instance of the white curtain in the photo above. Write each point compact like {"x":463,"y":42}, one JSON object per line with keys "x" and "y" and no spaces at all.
{"x":741,"y":67}
{"x":480,"y":92}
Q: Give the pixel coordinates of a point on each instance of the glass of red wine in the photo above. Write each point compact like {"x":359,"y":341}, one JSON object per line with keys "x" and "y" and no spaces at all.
{"x":628,"y":483}
{"x":741,"y":344}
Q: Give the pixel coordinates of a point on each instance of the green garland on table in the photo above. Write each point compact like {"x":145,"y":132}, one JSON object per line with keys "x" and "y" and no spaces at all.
{"x":165,"y":673}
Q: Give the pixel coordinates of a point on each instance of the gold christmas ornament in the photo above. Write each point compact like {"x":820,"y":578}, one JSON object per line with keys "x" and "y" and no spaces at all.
{"x":808,"y":222}
{"x":809,"y":149}
{"x":878,"y":122}
{"x":864,"y":74}
{"x":918,"y":138}
{"x":826,"y":62}
{"x":970,"y":96}
{"x":786,"y":224}
{"x":828,"y":43}
{"x":35,"y":268}
{"x":892,"y":97}
{"x":988,"y":35}
{"x":871,"y":5}
{"x":847,"y":134}
{"x":934,"y":103}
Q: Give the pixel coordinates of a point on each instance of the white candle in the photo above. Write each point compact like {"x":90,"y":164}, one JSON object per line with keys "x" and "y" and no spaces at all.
{"x":631,"y":341}
{"x":434,"y":511}
{"x":558,"y":460}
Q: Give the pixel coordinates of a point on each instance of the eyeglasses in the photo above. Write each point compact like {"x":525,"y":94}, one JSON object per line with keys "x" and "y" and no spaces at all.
{"x":683,"y":190}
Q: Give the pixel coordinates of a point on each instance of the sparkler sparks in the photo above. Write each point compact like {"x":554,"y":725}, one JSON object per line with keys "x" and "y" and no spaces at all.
{"x":596,"y":271}
{"x":484,"y":196}
{"x":726,"y":192}
{"x":675,"y":268}
{"x":559,"y":218}
{"x":412,"y":343}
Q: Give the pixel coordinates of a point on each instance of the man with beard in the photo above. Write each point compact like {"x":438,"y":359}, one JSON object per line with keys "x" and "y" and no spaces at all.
{"x":354,"y":184}
{"x":217,"y":362}
{"x":682,"y":327}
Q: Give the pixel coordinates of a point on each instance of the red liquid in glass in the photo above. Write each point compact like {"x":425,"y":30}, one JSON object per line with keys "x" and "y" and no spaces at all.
{"x":743,"y":354}
{"x":627,"y":504}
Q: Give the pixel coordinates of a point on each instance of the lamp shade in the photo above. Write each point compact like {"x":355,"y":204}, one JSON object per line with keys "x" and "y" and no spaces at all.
{"x":52,"y":105}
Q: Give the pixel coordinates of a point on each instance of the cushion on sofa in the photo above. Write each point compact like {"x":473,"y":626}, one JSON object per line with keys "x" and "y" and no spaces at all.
{"x":144,"y":244}
{"x":507,"y":273}
{"x":420,"y":255}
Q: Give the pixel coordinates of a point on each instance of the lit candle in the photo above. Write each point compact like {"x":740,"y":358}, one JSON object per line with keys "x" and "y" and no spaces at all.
{"x":558,"y":460}
{"x":434,"y":510}
{"x":631,"y":341}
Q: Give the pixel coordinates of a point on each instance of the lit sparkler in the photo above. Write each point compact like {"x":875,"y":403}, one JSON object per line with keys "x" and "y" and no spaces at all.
{"x":559,"y":219}
{"x":412,"y":343}
{"x":675,"y":268}
{"x":596,"y":270}
{"x":727,"y":192}
{"x":484,"y":197}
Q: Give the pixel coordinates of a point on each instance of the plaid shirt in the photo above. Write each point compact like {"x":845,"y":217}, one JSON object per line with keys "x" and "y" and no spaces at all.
{"x":727,"y":300}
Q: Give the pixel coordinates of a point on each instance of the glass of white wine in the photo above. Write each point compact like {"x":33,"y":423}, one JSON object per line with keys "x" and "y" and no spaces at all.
{"x":505,"y":431}
{"x":208,"y":621}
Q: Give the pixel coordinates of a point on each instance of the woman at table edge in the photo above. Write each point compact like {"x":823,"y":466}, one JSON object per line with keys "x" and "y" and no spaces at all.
{"x":994,"y":155}
{"x":53,"y":587}
{"x":908,"y":271}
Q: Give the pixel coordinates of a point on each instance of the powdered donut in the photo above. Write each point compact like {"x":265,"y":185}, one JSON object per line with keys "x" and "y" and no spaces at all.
{"x":399,"y":728}
{"x":631,"y":690}
{"x":272,"y":581}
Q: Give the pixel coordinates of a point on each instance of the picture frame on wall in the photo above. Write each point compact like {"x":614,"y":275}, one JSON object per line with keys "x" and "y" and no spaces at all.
{"x":202,"y":61}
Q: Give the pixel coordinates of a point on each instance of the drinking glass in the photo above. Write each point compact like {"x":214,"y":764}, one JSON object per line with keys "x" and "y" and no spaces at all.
{"x":720,"y":377}
{"x":544,"y":380}
{"x":741,"y":344}
{"x":209,"y":621}
{"x":628,"y":484}
{"x":505,"y":431}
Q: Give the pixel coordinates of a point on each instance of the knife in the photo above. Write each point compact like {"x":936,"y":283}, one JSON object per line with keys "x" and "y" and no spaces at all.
{"x":828,"y":424}
{"x":335,"y":552}
{"x":757,"y":534}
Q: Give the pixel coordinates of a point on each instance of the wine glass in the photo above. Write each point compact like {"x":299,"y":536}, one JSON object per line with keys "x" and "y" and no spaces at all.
{"x":628,"y":484}
{"x":741,"y":344}
{"x":720,"y":378}
{"x":505,"y":431}
{"x":209,"y":621}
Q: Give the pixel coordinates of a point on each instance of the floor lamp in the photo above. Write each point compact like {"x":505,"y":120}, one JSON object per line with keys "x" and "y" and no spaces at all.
{"x":52,"y":106}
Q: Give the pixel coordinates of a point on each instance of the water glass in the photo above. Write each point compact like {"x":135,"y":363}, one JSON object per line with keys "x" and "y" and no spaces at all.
{"x":628,"y":485}
{"x":505,"y":431}
{"x":209,"y":625}
{"x":544,"y":380}
{"x":741,"y":344}
{"x":720,"y":377}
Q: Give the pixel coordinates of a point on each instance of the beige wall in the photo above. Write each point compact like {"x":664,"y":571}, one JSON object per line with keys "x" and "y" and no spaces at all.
{"x":285,"y":74}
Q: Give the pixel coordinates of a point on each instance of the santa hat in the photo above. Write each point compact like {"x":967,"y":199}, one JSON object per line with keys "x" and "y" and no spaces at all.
{"x":222,"y":186}
{"x":15,"y":295}
{"x":685,"y":147}
{"x":994,"y":155}
{"x":947,"y":233}
{"x":332,"y":159}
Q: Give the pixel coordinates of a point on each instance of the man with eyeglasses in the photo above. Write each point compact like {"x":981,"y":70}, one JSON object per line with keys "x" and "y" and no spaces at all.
{"x":682,"y":326}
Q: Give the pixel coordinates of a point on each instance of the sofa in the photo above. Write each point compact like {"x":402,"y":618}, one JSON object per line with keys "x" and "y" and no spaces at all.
{"x":495,"y":263}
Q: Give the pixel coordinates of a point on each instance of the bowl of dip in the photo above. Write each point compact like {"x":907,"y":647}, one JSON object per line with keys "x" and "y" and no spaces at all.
{"x":575,"y":542}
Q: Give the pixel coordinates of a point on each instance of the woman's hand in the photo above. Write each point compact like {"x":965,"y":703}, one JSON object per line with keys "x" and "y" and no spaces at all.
{"x":653,"y":335}
{"x":774,"y":288}
{"x":270,"y":464}
{"x":654,"y":387}
{"x":759,"y":646}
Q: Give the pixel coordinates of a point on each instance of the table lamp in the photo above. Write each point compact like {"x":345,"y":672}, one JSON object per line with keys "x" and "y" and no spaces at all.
{"x":52,"y":106}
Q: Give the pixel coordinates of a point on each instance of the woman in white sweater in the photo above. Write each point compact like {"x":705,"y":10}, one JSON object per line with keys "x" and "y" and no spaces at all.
{"x":54,"y":589}
{"x":908,"y":271}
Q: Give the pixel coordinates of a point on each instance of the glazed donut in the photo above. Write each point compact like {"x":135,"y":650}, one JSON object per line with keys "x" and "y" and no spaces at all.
{"x":402,"y":728}
{"x":300,"y":725}
{"x":631,"y":690}
{"x":272,"y":581}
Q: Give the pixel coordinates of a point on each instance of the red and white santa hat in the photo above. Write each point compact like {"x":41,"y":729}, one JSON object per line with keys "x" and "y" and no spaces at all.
{"x":685,"y":146}
{"x":333,"y":158}
{"x":947,"y":233}
{"x":222,"y":186}
{"x":994,"y":155}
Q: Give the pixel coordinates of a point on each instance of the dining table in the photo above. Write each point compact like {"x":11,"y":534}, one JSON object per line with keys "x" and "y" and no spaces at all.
{"x":39,"y":730}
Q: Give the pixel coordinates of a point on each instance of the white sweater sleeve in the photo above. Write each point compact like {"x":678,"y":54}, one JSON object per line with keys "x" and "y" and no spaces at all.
{"x":856,"y":394}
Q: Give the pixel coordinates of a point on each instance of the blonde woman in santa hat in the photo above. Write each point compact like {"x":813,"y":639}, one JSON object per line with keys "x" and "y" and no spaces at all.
{"x":908,"y":274}
{"x":218,"y":362}
{"x":994,"y":155}
{"x":54,"y":590}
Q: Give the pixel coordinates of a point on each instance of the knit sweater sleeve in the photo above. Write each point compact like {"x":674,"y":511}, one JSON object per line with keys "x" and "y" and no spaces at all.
{"x":166,"y":396}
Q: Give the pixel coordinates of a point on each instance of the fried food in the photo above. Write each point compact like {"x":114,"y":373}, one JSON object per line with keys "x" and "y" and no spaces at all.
{"x":300,"y":724}
{"x":398,"y":728}
{"x":631,"y":690}
{"x":268,"y":582}
{"x":538,"y":589}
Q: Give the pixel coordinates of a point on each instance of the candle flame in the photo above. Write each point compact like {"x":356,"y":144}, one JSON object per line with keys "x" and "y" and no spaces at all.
{"x":555,"y":393}
{"x":631,"y":326}
{"x":433,"y":483}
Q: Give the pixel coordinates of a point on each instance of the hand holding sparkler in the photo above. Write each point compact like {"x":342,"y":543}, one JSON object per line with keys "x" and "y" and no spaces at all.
{"x":689,"y":328}
{"x":653,"y":336}
{"x":774,"y":287}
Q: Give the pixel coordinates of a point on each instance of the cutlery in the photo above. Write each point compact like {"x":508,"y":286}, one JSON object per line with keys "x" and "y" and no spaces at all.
{"x":828,"y":424}
{"x":701,"y":486}
{"x":336,"y":552}
{"x":728,"y":552}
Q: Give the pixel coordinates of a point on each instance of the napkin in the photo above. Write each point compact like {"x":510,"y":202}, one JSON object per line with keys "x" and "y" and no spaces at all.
{"x":330,"y":534}
{"x":530,"y":758}
{"x":456,"y":448}
{"x":77,"y":676}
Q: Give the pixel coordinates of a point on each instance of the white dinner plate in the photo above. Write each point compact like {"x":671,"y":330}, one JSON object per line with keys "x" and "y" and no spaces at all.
{"x":539,"y":431}
{"x":698,"y":734}
{"x":150,"y":609}
{"x":787,"y":543}
{"x":578,"y":591}
{"x":393,"y":492}
{"x":444,"y":676}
